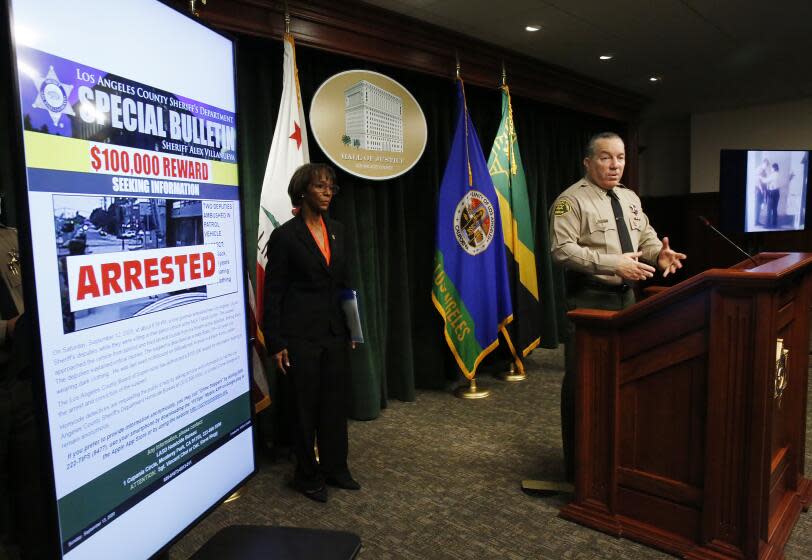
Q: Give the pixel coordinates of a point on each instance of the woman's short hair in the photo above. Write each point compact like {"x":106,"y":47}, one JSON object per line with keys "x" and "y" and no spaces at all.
{"x":302,"y":178}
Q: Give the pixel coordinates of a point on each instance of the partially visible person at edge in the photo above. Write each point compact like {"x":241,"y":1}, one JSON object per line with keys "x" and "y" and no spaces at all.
{"x":23,"y":516}
{"x":601,"y":237}
{"x":306,"y":333}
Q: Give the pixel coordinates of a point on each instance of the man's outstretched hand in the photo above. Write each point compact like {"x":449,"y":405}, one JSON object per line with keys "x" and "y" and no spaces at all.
{"x":669,"y":260}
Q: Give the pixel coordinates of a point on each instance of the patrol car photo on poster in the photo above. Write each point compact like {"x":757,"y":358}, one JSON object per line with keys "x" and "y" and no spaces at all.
{"x":130,"y":142}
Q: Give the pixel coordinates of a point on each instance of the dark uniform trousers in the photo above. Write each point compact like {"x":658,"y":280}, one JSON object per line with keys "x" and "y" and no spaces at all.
{"x":23,"y":517}
{"x":591,"y":296}
{"x":316,"y":384}
{"x":24,"y":532}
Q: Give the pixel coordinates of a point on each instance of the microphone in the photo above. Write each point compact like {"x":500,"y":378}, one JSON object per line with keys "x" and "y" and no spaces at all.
{"x":706,"y":223}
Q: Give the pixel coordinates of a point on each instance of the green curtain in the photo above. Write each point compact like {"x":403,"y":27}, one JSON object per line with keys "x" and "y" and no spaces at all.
{"x":392,"y":222}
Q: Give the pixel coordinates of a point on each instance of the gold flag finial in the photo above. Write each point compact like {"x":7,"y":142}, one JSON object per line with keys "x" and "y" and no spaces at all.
{"x":504,"y":74}
{"x":287,"y":18}
{"x":457,"y":57}
{"x":193,"y":10}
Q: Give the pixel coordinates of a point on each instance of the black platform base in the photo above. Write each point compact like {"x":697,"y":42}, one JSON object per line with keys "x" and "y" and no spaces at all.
{"x":252,"y":542}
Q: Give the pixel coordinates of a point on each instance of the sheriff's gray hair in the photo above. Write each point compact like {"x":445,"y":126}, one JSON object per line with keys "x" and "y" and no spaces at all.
{"x":589,"y":151}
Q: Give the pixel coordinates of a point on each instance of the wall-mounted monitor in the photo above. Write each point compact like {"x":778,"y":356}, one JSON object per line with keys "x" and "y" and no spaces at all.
{"x":763,"y":190}
{"x":128,"y":128}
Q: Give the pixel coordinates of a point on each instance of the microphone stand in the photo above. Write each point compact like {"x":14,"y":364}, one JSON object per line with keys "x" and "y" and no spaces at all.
{"x":705,"y":221}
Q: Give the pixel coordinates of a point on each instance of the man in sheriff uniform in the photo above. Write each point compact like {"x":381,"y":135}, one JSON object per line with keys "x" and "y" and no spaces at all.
{"x":601,"y":236}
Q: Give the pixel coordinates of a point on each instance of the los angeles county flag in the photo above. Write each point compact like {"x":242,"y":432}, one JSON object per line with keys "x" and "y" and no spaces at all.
{"x":288,"y":152}
{"x":471,"y":288}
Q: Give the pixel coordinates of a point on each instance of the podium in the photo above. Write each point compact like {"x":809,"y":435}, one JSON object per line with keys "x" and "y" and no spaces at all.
{"x":691,"y":412}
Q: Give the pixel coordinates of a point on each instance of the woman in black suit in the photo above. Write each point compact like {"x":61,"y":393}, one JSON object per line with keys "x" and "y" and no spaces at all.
{"x":306,"y":333}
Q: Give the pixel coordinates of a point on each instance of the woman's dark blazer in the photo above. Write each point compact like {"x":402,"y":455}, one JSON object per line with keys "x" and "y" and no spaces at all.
{"x":302,"y":292}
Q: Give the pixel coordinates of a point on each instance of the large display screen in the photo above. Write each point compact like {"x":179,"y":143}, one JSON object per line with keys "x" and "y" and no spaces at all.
{"x":129,"y":133}
{"x":763,"y":190}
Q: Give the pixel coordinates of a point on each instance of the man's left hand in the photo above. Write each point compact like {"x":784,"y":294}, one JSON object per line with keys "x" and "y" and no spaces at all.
{"x":669,"y":260}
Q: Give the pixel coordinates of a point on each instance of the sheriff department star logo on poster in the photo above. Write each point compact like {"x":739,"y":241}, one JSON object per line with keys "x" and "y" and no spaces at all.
{"x":474,"y":222}
{"x":52,"y":95}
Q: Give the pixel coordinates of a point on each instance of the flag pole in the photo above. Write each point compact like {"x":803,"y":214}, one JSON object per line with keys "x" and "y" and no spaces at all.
{"x":284,"y":157}
{"x":193,"y":8}
{"x":471,"y":391}
{"x":511,"y":374}
{"x":287,"y":32}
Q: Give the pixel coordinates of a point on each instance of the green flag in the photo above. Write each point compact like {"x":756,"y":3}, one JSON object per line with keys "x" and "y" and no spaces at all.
{"x":507,"y":173}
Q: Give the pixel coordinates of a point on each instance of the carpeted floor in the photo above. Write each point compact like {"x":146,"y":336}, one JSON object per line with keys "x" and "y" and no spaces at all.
{"x":441,"y":480}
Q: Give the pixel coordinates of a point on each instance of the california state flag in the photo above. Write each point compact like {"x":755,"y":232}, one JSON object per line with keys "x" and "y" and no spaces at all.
{"x":288,"y":152}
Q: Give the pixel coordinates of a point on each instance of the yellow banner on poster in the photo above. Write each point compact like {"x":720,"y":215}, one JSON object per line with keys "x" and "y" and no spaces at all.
{"x":58,"y":153}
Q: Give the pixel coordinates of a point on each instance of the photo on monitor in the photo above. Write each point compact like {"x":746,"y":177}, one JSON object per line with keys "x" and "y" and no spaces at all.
{"x":763,"y":190}
{"x":776,"y":190}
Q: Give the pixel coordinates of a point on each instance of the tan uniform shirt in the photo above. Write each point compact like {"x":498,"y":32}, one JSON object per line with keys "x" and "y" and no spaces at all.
{"x":584,"y":236}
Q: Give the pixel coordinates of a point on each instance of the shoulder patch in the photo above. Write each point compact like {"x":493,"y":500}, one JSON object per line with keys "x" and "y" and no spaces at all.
{"x":562,"y":207}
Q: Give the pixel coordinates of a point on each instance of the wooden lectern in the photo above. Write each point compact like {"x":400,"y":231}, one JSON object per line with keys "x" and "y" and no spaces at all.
{"x":691,"y":412}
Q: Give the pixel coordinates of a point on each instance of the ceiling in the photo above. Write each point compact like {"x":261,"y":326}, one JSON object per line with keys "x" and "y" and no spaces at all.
{"x":710,"y":54}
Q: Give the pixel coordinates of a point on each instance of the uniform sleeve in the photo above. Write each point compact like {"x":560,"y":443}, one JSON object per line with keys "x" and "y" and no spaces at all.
{"x":565,"y":246}
{"x":650,"y":245}
{"x":276,"y":285}
{"x":3,"y":333}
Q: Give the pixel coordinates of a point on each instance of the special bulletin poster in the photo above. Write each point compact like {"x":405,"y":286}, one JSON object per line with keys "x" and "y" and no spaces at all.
{"x":132,"y":172}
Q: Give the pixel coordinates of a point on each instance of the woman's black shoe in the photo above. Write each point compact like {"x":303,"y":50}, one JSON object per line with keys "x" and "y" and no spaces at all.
{"x":317,"y":495}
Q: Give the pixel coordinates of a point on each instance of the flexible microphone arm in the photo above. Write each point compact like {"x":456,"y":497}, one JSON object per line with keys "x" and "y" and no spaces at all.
{"x":705,"y":221}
